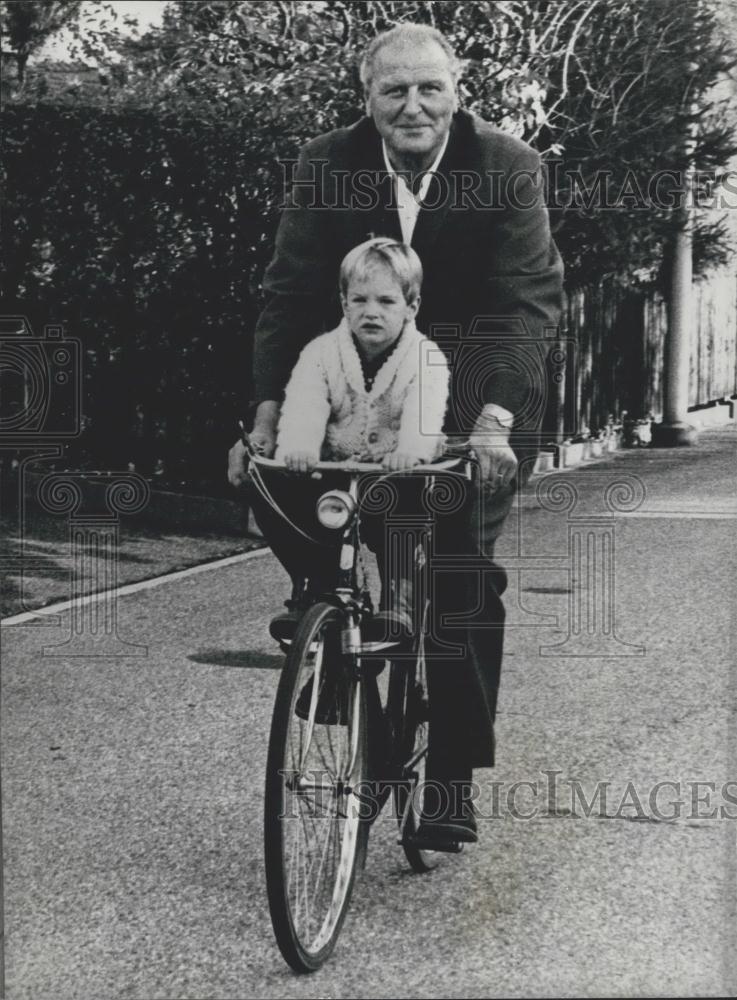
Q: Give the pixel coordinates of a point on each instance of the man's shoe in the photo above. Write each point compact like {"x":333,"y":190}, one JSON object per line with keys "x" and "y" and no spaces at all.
{"x":394,"y":624}
{"x":447,"y":816}
{"x":283,"y":626}
{"x":387,"y":626}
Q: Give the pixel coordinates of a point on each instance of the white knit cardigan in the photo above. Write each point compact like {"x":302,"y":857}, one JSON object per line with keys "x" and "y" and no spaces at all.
{"x":328,"y":412}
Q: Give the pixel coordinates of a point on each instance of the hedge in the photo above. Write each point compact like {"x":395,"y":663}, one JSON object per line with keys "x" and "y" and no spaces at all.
{"x":145,"y":238}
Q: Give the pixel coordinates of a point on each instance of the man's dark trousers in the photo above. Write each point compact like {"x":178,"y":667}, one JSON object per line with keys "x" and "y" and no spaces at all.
{"x":465,"y":632}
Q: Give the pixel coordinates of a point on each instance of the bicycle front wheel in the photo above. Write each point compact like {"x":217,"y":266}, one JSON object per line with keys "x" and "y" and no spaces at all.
{"x":317,"y":766}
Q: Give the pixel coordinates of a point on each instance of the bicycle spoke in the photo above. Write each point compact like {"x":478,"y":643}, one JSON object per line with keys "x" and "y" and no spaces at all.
{"x":322,"y":839}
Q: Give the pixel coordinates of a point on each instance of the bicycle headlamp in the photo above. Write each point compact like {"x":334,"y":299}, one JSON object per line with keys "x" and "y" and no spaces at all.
{"x":335,"y":509}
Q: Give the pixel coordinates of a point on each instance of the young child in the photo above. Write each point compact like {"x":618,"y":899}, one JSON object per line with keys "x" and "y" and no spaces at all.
{"x":372,"y":390}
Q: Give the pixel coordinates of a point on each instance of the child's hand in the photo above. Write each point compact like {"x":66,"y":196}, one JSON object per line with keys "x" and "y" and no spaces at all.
{"x":301,"y":461}
{"x":398,"y":461}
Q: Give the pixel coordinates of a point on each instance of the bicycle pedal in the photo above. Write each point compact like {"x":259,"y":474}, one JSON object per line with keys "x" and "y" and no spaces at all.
{"x":441,"y":846}
{"x":367,"y":648}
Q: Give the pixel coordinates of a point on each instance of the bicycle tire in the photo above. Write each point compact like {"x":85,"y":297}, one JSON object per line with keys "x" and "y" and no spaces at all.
{"x":407,"y":711}
{"x":312,"y":811}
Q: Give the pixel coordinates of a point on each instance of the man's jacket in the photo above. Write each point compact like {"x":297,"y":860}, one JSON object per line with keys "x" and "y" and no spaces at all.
{"x":492,"y":288}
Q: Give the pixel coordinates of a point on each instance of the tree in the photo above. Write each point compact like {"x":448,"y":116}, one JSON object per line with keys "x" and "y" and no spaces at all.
{"x":92,"y":35}
{"x":638,"y":84}
{"x":26,"y":24}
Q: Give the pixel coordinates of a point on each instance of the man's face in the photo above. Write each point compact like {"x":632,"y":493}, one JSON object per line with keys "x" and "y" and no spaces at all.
{"x":412,"y":99}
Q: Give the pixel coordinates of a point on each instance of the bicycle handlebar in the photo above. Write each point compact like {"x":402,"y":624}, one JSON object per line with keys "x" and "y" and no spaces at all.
{"x":455,"y":453}
{"x":348,"y":466}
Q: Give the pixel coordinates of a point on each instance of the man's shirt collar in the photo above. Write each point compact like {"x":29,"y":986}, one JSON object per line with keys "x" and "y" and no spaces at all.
{"x":426,"y":174}
{"x":409,"y":204}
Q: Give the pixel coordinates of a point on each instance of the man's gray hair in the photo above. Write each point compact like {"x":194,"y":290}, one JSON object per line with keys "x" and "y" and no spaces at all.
{"x":406,"y":34}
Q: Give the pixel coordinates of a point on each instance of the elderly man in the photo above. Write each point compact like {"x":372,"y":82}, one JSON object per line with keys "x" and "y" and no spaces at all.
{"x":468,"y":198}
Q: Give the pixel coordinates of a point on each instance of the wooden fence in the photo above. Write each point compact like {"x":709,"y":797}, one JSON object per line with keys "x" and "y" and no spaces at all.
{"x":618,"y":336}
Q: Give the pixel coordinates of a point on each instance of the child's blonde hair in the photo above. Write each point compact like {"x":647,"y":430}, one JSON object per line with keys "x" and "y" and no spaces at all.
{"x":399,"y":258}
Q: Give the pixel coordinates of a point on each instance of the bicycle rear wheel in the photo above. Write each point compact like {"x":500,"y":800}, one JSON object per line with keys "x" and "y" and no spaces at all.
{"x":317,"y":764}
{"x":408,"y":715}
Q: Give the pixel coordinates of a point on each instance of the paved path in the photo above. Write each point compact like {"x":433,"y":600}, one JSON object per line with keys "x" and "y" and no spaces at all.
{"x":132,"y":787}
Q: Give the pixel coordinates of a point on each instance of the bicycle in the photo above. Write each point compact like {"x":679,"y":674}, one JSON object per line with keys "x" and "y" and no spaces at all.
{"x":336,"y":754}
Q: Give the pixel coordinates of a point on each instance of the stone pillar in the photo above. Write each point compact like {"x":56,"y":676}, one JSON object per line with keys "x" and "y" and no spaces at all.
{"x":675,"y":429}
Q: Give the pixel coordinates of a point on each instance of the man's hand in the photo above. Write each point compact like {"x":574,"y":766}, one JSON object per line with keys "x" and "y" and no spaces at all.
{"x":262,"y":438}
{"x":497,"y":462}
{"x":263,"y":435}
{"x":237,"y":464}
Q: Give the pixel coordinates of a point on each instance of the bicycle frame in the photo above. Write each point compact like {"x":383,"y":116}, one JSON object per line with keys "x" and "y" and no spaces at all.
{"x":363,"y":752}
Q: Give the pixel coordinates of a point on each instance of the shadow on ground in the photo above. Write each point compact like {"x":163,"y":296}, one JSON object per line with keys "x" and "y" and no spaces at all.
{"x":249,"y":659}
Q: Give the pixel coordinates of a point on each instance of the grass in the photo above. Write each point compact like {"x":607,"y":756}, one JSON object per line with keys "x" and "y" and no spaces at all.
{"x":39,"y":567}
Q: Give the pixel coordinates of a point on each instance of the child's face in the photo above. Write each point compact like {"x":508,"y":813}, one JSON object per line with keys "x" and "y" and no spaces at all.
{"x":376,"y":310}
